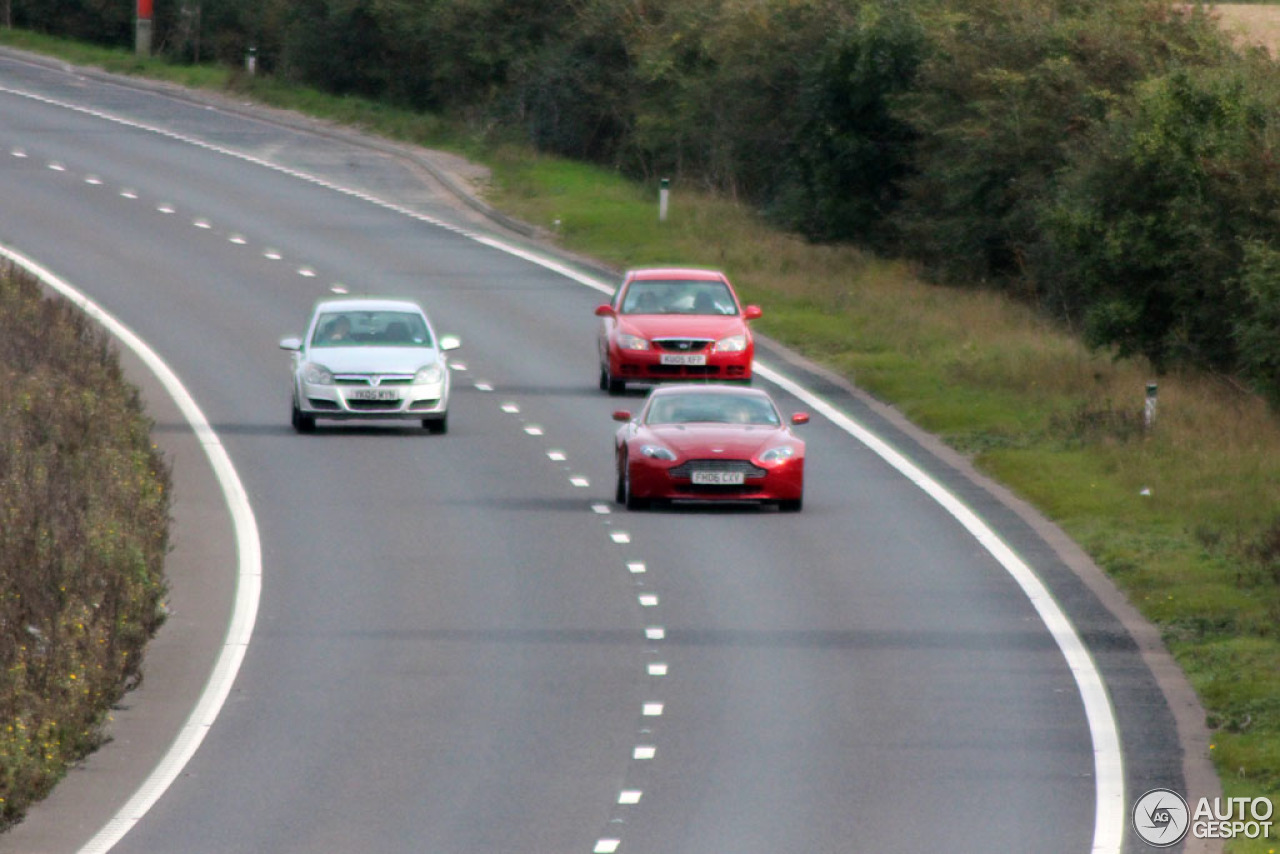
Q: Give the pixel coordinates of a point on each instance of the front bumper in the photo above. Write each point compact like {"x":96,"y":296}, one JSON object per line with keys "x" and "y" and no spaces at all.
{"x":661,"y":479}
{"x":352,"y":401}
{"x":646,"y":366}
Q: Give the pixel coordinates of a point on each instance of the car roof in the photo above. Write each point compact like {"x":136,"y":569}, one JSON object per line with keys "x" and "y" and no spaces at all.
{"x":368,"y":304}
{"x":660,"y":273}
{"x":708,"y":388}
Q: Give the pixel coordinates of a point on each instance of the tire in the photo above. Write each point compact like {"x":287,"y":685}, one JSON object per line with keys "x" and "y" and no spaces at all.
{"x":302,"y":422}
{"x":615,"y":387}
{"x":793,"y":505}
{"x":437,"y":426}
{"x":624,"y":494}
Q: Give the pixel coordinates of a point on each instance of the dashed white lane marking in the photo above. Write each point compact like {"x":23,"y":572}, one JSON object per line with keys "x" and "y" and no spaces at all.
{"x":580,"y":481}
{"x":306,"y":272}
{"x":658,"y":668}
{"x":620,"y":537}
{"x":484,"y":387}
{"x":644,"y":751}
{"x":648,"y":600}
{"x":458,"y":366}
{"x":655,"y":633}
{"x":629,"y":796}
{"x":202,"y":223}
{"x":337,"y":288}
{"x":93,"y":180}
{"x":248,"y":574}
{"x":636,"y":567}
{"x":606,"y":846}
{"x":128,"y":194}
{"x":533,"y":429}
{"x":272,"y":255}
{"x":19,"y":153}
{"x":57,"y":167}
{"x":510,"y":407}
{"x":165,"y":208}
{"x":557,"y":456}
{"x":238,"y":239}
{"x":653,"y":710}
{"x":601,"y":509}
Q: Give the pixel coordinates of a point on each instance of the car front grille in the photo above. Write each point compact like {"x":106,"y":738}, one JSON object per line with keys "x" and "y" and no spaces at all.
{"x":683,"y":345}
{"x":374,"y":405}
{"x":686,"y":470}
{"x":672,"y":370}
{"x":373,"y":379}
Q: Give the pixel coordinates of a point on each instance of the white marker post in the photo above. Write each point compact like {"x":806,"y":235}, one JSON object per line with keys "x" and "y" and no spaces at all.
{"x":1149,"y":411}
{"x":664,"y":191}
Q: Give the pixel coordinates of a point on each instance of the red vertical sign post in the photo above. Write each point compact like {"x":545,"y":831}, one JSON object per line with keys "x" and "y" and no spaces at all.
{"x":142,"y":44}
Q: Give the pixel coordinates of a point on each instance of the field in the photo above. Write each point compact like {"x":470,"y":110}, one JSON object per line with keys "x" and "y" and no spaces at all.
{"x":1254,"y":24}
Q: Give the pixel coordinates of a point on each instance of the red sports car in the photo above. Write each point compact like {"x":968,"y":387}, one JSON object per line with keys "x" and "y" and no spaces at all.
{"x":709,"y":442}
{"x":674,"y":324}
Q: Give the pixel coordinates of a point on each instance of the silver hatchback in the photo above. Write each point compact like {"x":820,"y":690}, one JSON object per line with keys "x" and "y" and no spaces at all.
{"x":365,"y":358}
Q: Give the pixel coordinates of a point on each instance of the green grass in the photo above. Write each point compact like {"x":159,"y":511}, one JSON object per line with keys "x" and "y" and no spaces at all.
{"x":1185,"y":517}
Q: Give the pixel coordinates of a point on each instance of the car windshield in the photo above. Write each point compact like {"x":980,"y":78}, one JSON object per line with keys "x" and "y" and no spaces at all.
{"x":712,"y":408}
{"x":371,"y":329}
{"x":678,"y":297}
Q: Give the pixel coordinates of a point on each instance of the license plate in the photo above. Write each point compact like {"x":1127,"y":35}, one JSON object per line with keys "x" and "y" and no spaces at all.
{"x":373,"y":394}
{"x":718,"y":478}
{"x":683,"y":359}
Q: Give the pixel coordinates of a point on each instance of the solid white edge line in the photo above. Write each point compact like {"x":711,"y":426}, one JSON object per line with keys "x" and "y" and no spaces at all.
{"x":1109,"y":820}
{"x":248,"y":577}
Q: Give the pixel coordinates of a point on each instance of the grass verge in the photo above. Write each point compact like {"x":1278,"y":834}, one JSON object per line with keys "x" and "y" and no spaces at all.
{"x":1185,"y":516}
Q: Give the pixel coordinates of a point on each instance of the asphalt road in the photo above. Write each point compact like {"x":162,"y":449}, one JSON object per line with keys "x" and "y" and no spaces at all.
{"x":462,"y":644}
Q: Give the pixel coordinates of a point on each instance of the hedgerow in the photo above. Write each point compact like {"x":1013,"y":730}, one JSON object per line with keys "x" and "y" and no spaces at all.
{"x":84,"y":518}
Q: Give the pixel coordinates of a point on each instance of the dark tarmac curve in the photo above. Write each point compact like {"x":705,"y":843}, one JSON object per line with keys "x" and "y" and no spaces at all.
{"x":457,"y":649}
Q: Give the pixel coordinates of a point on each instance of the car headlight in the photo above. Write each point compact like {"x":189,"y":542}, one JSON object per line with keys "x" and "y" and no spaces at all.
{"x":657,"y":452}
{"x":317,"y":374}
{"x":778,"y":454}
{"x":632,"y":342}
{"x":732,"y":344}
{"x":430,"y":375}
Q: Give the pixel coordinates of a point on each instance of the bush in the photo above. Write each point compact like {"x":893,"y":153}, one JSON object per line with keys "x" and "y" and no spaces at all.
{"x":1145,"y":240}
{"x":84,"y":514}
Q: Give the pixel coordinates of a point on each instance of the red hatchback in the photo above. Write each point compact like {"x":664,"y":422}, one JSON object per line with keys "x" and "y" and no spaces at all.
{"x":709,"y":442}
{"x":674,"y":324}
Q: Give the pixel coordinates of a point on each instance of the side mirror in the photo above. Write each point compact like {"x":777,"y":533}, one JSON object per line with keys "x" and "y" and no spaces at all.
{"x":800,"y":418}
{"x":450,"y":342}
{"x":605,"y":311}
{"x":751,"y":312}
{"x":621,"y":415}
{"x":294,"y":344}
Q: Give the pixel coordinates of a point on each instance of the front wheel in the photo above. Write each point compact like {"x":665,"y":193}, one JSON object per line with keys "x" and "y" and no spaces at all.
{"x":615,"y":387}
{"x":438,"y":426}
{"x":623,"y":494}
{"x":302,"y":422}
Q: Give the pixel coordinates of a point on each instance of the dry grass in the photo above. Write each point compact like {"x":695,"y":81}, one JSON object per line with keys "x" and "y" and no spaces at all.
{"x":1252,"y":24}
